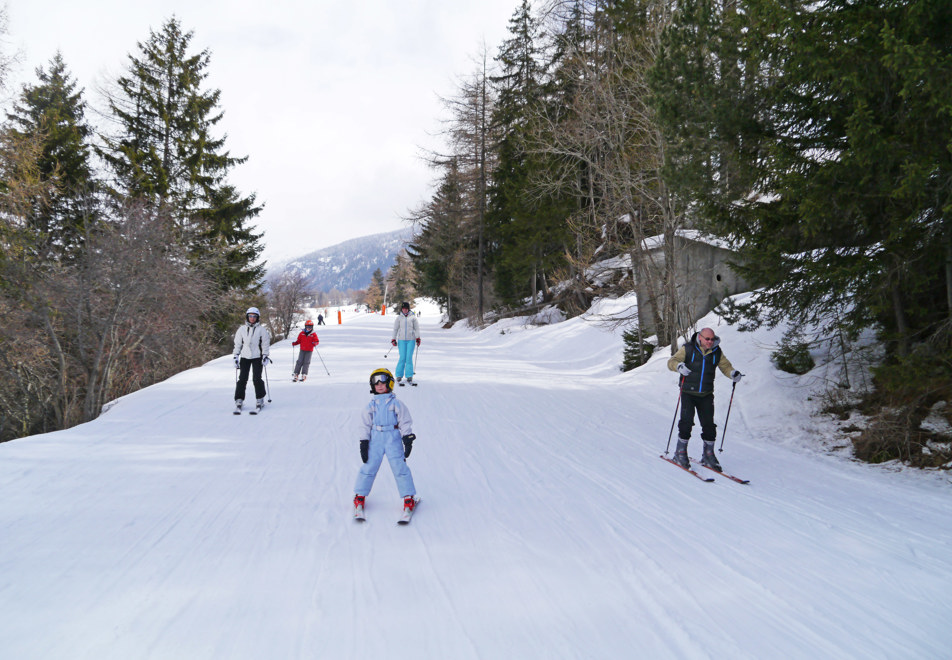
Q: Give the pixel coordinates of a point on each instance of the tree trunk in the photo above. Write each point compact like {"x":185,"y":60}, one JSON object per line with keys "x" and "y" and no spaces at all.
{"x":902,"y":326}
{"x":948,"y":273}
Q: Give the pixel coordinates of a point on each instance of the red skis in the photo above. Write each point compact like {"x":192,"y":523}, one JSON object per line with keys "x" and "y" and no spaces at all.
{"x":724,"y":474}
{"x":688,"y":470}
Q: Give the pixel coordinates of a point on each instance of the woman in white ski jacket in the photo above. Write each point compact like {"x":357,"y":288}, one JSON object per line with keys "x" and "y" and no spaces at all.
{"x":252,"y":345}
{"x":406,"y":336}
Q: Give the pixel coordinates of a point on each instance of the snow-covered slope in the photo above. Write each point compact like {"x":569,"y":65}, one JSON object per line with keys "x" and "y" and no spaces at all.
{"x":549,"y":528}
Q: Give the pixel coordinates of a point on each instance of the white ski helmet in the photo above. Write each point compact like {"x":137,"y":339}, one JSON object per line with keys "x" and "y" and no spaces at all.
{"x":252,"y":310}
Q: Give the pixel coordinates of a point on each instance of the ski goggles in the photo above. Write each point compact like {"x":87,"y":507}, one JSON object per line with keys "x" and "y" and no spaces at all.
{"x":379,"y":378}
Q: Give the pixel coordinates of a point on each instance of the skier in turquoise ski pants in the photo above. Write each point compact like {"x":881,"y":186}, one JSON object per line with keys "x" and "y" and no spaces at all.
{"x":406,"y":337}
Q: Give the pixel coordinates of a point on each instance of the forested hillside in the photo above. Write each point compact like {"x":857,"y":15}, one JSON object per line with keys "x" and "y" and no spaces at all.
{"x":125,"y":248}
{"x":811,"y":138}
{"x":351,"y":264}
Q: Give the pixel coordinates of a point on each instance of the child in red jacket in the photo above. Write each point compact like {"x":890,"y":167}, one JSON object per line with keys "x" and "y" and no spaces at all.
{"x":308,"y":340}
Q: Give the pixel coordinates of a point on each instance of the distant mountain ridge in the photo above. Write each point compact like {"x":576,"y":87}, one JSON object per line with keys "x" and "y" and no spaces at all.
{"x":351,"y":264}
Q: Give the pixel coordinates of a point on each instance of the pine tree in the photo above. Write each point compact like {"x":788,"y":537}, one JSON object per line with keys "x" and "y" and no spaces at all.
{"x":399,"y":282}
{"x":709,"y":92}
{"x":836,"y":170}
{"x":374,"y":297}
{"x":227,"y":248}
{"x":526,"y":228}
{"x":53,"y":110}
{"x":440,"y":248}
{"x":166,"y":153}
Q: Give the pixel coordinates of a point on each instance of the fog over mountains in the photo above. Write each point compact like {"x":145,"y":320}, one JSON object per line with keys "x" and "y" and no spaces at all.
{"x":351,"y":264}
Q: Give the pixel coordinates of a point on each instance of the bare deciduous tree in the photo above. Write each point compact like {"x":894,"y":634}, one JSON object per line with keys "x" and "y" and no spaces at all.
{"x":122,"y":313}
{"x":127,"y":312}
{"x":609,"y":133}
{"x":287,"y":294}
{"x":472,"y":160}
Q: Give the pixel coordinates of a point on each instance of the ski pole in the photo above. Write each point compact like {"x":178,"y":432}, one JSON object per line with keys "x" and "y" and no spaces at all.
{"x":267,"y":383}
{"x":388,"y":351}
{"x":677,"y":405}
{"x":294,"y":357}
{"x":416,"y":358}
{"x":733,"y":387}
{"x":322,"y":360}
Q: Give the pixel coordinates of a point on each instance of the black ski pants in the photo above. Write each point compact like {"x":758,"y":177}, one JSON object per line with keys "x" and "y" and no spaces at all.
{"x":703,"y":405}
{"x":246,"y":365}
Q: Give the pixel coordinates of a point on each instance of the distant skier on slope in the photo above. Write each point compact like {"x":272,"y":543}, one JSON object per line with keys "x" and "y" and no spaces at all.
{"x":406,"y":332}
{"x":308,"y":340}
{"x":386,"y":428}
{"x":695,"y":361}
{"x":252,"y":345}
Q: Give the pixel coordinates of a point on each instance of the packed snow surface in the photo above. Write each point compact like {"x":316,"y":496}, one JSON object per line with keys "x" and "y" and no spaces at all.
{"x":549,"y":528}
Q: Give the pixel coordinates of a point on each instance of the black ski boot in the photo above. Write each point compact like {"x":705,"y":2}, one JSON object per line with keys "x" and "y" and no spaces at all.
{"x":681,"y":454}
{"x":708,"y":459}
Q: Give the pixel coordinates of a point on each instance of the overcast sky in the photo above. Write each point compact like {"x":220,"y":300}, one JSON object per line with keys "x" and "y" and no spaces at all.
{"x":333,"y":102}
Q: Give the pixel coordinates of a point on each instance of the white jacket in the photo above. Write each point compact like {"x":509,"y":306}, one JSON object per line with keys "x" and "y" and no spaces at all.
{"x":252,"y":341}
{"x":406,"y":326}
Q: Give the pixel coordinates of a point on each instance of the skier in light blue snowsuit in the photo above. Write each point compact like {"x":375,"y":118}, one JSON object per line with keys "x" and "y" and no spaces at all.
{"x":386,"y":428}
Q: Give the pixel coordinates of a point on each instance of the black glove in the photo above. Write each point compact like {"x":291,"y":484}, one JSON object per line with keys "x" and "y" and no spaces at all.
{"x":736,"y":376}
{"x":393,"y":342}
{"x":364,"y":448}
{"x":408,"y":443}
{"x":265,"y":360}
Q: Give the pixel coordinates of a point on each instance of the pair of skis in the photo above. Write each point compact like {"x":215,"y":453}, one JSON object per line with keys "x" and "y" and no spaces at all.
{"x":404,"y":517}
{"x":707,"y":480}
{"x":256,"y":410}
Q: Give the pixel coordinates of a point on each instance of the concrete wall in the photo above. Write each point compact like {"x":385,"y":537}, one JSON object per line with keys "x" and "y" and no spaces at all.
{"x":703,"y":280}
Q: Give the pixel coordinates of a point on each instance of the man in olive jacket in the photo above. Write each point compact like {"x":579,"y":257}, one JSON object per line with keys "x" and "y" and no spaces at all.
{"x":695,"y":361}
